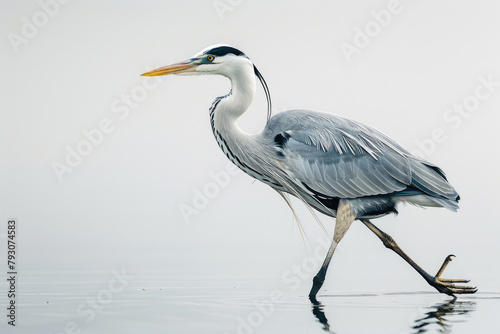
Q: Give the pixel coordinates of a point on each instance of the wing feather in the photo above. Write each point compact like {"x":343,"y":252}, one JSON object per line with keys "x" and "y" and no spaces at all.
{"x":339,"y":158}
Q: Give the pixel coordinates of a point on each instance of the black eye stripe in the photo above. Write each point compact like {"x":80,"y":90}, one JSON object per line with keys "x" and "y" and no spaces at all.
{"x":224,"y":50}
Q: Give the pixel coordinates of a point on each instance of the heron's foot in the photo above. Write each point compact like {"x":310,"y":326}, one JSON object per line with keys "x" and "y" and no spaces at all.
{"x":317,"y":284}
{"x":449,"y":286}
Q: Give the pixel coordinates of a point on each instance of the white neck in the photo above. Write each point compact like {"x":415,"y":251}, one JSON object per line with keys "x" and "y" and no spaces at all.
{"x":242,"y":149}
{"x":234,"y":142}
{"x":231,"y":107}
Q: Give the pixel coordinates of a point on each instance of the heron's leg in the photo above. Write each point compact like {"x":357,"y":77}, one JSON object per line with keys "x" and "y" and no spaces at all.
{"x":345,"y":217}
{"x":443,"y":285}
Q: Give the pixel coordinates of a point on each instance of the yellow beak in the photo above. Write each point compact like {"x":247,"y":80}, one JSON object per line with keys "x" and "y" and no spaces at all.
{"x":182,"y":67}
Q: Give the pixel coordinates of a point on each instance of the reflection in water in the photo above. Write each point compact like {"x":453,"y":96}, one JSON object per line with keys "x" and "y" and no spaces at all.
{"x":443,"y":315}
{"x":437,"y":318}
{"x":317,"y":310}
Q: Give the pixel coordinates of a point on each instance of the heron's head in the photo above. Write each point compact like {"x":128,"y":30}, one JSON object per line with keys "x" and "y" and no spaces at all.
{"x":216,"y":59}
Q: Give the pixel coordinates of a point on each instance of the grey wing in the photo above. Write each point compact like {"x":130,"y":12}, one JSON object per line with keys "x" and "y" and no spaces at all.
{"x":336,"y":157}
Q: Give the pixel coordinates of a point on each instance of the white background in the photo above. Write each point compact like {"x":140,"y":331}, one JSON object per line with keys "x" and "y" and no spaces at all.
{"x":121,"y":206}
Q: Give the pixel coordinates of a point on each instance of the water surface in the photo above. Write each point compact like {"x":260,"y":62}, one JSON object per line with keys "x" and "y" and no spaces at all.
{"x":115,"y":302}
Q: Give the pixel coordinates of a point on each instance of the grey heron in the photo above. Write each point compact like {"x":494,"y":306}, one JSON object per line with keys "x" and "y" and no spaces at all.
{"x":341,"y":168}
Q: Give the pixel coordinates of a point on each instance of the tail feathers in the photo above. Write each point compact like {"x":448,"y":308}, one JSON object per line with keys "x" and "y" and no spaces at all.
{"x":429,"y":200}
{"x":445,"y":203}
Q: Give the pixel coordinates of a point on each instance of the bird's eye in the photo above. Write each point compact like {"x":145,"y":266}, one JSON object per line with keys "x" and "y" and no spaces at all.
{"x":210,"y":58}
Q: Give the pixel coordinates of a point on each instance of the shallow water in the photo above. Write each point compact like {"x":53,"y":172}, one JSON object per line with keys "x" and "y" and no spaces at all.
{"x":114,"y":302}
